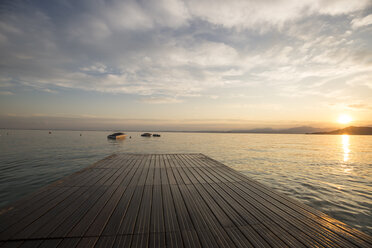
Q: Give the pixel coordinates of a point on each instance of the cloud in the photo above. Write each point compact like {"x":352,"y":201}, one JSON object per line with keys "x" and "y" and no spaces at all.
{"x":362,"y":80}
{"x":263,"y":15}
{"x":178,"y":49}
{"x":96,"y":68}
{"x":6,"y":93}
{"x":105,"y":19}
{"x":360,"y":22}
{"x":360,"y":106}
{"x":340,"y":7}
{"x":160,"y":100}
{"x":257,"y":106}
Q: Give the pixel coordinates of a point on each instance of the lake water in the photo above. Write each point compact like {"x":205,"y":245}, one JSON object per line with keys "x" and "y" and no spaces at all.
{"x":330,"y":173}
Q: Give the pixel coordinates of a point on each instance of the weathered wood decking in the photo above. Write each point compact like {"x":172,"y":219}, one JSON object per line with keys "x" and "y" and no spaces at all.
{"x":177,"y":200}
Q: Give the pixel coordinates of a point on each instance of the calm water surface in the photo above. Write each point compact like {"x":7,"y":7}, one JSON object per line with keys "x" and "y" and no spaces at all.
{"x":330,"y":173}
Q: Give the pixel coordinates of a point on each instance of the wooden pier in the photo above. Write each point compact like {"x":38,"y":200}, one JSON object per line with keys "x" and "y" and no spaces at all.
{"x":167,"y":200}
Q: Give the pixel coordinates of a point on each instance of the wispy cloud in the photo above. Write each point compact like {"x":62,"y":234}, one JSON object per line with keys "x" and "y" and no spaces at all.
{"x":360,"y":22}
{"x":6,"y":93}
{"x":160,"y":100}
{"x":183,"y":50}
{"x":144,"y":57}
{"x":360,"y":106}
{"x":265,"y":15}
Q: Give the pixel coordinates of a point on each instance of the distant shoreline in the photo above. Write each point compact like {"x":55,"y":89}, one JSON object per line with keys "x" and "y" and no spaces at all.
{"x":348,"y":130}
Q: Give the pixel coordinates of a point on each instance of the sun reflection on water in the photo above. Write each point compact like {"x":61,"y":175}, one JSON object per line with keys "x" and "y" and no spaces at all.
{"x":345,"y":146}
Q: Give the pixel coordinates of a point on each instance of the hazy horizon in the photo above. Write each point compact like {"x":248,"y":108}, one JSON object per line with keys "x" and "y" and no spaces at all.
{"x":103,"y":124}
{"x":184,"y":65}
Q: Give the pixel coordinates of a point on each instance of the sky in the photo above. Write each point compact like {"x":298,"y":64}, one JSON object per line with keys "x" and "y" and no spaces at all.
{"x":184,"y":65}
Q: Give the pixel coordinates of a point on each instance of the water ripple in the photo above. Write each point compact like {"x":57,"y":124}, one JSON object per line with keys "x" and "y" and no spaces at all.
{"x":316,"y":170}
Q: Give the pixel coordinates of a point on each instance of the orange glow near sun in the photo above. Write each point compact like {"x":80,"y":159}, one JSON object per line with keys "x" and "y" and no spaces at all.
{"x":344,"y":119}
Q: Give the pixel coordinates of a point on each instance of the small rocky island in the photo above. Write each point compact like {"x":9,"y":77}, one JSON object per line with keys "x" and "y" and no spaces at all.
{"x":350,"y":131}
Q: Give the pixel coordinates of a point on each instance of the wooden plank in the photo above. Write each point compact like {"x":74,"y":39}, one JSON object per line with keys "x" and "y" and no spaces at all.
{"x":170,"y":215}
{"x":95,"y":176}
{"x":65,"y":227}
{"x":100,"y":222}
{"x":12,"y":244}
{"x":151,"y":170}
{"x":157,"y":216}
{"x":321,"y":234}
{"x":174,"y":239}
{"x":284,"y":235}
{"x":105,"y":242}
{"x":78,"y":176}
{"x":238,"y":238}
{"x":50,"y":243}
{"x":140,"y":240}
{"x":213,"y":197}
{"x":157,"y":240}
{"x":27,"y":220}
{"x":69,"y":243}
{"x":274,"y":217}
{"x":207,"y":226}
{"x":181,"y":172}
{"x":323,"y":219}
{"x":157,"y":169}
{"x":183,"y":215}
{"x":120,"y":174}
{"x":163,"y":170}
{"x":42,"y":227}
{"x":298,"y":244}
{"x":167,"y":200}
{"x":127,"y":176}
{"x":237,"y":219}
{"x":129,"y":220}
{"x":186,"y":170}
{"x":193,"y":174}
{"x":190,"y":238}
{"x":287,"y":226}
{"x":24,"y":202}
{"x":207,"y":238}
{"x":144,"y":215}
{"x":123,"y":241}
{"x":31,"y":244}
{"x":219,"y":177}
{"x":107,"y":177}
{"x":18,"y":212}
{"x":174,"y":173}
{"x":223,"y":212}
{"x":82,"y":226}
{"x":320,"y":228}
{"x":87,"y":242}
{"x":258,"y":233}
{"x":113,"y":224}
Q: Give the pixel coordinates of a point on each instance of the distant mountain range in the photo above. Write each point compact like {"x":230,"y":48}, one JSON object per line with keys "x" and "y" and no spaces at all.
{"x":310,"y":130}
{"x":349,"y":130}
{"x":294,"y":130}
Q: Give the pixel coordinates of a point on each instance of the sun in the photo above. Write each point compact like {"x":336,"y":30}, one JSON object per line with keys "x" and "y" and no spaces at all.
{"x":344,"y":119}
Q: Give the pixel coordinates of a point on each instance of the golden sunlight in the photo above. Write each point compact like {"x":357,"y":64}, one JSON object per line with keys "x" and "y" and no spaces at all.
{"x":344,"y":119}
{"x":345,"y":146}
